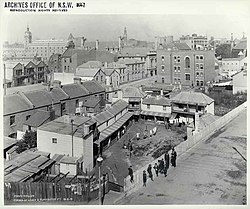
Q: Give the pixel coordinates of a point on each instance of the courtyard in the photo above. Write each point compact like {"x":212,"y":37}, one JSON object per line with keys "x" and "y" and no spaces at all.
{"x":117,"y":159}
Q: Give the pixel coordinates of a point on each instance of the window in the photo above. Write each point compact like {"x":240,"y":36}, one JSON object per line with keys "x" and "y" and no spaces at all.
{"x":96,"y":78}
{"x":12,"y":120}
{"x":70,"y":60}
{"x":197,"y":57}
{"x":197,"y":83}
{"x":107,"y":123}
{"x":201,"y":66}
{"x":162,"y":58}
{"x":68,"y":68}
{"x":162,"y":80}
{"x":201,"y":73}
{"x":162,"y":68}
{"x":187,"y":62}
{"x":101,"y":78}
{"x":201,"y":83}
{"x":178,"y":59}
{"x":54,"y":140}
{"x":201,"y":57}
{"x":27,"y":117}
{"x":64,"y":59}
{"x":77,"y":103}
{"x":164,"y":107}
{"x":197,"y":66}
{"x":187,"y":77}
{"x":148,"y":106}
{"x":179,"y":69}
{"x":64,"y":68}
{"x":197,"y":74}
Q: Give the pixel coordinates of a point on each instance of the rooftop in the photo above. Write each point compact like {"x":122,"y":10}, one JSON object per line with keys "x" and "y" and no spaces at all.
{"x":131,"y":91}
{"x":38,"y":118}
{"x":62,"y":125}
{"x":134,"y":51}
{"x":242,"y":45}
{"x":25,"y":165}
{"x":75,"y":90}
{"x":91,"y":64}
{"x":190,"y":97}
{"x":116,"y":65}
{"x":109,"y":71}
{"x":39,"y":98}
{"x":9,"y":142}
{"x":128,"y":61}
{"x":92,"y":102}
{"x":38,"y":86}
{"x":163,"y":101}
{"x":15,"y":103}
{"x":93,"y":86}
{"x":86,"y":72}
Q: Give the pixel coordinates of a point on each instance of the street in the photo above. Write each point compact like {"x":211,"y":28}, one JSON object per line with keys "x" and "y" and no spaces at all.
{"x":212,"y":172}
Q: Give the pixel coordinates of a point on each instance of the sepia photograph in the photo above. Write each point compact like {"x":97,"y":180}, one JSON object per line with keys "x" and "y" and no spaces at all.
{"x":119,"y":104}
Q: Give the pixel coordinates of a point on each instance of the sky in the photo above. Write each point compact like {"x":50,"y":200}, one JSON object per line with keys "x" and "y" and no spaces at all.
{"x":213,"y":19}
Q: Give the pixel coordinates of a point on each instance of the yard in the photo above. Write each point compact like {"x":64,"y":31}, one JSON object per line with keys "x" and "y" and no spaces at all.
{"x":117,"y":159}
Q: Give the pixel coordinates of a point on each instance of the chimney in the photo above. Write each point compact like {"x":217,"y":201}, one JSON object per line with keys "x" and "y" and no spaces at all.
{"x":77,"y":80}
{"x":96,"y":44}
{"x":52,"y":113}
{"x":120,"y":94}
{"x":119,"y":43}
{"x":156,"y":42}
{"x":105,"y":65}
{"x":85,"y":129}
{"x":57,"y":83}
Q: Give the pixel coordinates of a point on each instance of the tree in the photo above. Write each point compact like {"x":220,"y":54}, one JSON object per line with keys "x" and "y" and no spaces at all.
{"x":28,"y":141}
{"x":223,"y":50}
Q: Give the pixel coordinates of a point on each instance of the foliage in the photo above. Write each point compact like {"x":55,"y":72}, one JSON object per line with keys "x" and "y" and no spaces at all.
{"x":71,"y":45}
{"x":225,"y":101}
{"x":28,"y":141}
{"x":223,"y":50}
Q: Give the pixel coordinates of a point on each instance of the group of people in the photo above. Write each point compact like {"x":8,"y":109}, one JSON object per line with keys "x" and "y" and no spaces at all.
{"x":160,"y":167}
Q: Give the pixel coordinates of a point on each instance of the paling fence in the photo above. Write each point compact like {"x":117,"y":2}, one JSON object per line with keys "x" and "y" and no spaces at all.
{"x":186,"y":145}
{"x":60,"y":191}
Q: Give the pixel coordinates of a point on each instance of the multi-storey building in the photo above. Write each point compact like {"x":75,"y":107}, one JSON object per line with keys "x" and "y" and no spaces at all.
{"x":195,"y":42}
{"x":185,"y":67}
{"x":32,"y":72}
{"x":141,"y":54}
{"x":230,"y":66}
{"x":135,"y":69}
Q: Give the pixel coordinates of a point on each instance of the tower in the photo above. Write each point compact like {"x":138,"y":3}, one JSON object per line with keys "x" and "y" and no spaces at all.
{"x":27,"y":37}
{"x":125,"y":35}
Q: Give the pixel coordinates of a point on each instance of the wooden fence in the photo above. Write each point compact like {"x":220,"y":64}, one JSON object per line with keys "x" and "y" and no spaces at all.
{"x":37,"y":192}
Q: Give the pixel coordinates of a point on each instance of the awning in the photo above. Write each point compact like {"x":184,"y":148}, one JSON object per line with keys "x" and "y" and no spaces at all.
{"x":173,"y":116}
{"x":114,"y":127}
{"x":159,"y":114}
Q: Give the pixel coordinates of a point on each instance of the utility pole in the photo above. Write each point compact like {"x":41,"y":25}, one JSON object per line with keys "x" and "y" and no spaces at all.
{"x":72,"y":131}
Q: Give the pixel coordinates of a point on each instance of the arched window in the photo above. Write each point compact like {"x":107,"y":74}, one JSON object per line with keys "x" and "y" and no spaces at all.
{"x":162,"y":80}
{"x":187,"y":62}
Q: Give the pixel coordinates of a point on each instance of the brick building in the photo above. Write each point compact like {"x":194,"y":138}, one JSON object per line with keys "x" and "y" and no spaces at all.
{"x":185,"y":66}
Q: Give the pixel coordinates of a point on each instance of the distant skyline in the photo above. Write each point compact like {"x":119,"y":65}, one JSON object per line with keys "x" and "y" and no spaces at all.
{"x":110,"y":27}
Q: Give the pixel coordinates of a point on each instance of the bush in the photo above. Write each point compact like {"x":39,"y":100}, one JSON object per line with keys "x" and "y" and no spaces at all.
{"x":29,"y":141}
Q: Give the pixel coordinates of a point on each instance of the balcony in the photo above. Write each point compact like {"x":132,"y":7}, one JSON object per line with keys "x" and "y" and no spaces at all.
{"x":187,"y":111}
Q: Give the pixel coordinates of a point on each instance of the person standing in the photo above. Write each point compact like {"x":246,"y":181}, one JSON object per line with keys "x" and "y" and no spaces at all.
{"x":156,"y":169}
{"x":150,"y":174}
{"x":131,"y":174}
{"x":165,"y":170}
{"x":130,"y":149}
{"x":144,"y":177}
{"x":166,"y":156}
{"x":173,"y":157}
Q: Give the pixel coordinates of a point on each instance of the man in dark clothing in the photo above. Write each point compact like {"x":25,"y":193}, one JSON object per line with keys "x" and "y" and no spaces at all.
{"x":165,"y":170}
{"x":130,"y":172}
{"x":130,"y":149}
{"x":156,"y":169}
{"x":144,"y":177}
{"x":150,"y":174}
{"x":173,"y":157}
{"x":166,"y":156}
{"x":161,"y":166}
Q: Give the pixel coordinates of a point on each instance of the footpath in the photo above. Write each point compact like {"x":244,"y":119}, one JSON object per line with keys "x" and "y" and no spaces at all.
{"x":211,"y":172}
